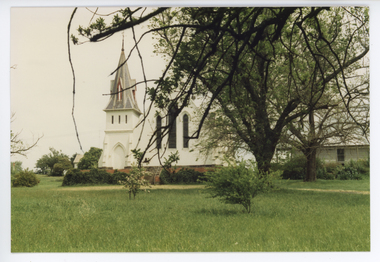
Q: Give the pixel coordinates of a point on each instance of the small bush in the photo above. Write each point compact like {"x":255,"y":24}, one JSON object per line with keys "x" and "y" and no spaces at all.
{"x":166,"y":177}
{"x":236,"y":184}
{"x":362,"y":166}
{"x":348,"y":173}
{"x":25,"y":178}
{"x":57,"y":170}
{"x":116,"y":177}
{"x":73,"y":177}
{"x":296,"y":168}
{"x":134,"y":180}
{"x":94,"y":176}
{"x":182,"y":176}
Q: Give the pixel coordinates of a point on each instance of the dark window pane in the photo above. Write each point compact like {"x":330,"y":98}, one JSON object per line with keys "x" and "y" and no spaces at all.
{"x":340,"y":155}
{"x":185,"y":131}
{"x":172,"y":129}
{"x":158,"y":127}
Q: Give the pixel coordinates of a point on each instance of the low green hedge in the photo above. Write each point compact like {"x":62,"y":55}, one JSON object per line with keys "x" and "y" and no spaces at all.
{"x":94,"y":176}
{"x":182,"y":176}
{"x":352,"y":170}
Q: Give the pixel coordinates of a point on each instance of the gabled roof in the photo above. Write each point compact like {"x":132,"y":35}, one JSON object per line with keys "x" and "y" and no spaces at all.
{"x":77,"y":158}
{"x":125,"y":99}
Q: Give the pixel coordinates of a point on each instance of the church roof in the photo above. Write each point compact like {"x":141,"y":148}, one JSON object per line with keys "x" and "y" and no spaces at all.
{"x":77,"y":158}
{"x":119,"y":99}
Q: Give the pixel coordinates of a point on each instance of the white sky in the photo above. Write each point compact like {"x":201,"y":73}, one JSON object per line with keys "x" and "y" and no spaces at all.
{"x":39,"y":90}
{"x":41,"y":85}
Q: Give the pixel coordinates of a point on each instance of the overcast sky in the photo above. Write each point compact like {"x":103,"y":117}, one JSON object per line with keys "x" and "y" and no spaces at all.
{"x":39,"y":89}
{"x":41,"y":79}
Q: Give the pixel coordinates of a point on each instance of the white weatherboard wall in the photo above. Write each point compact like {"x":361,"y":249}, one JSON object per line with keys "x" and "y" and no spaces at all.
{"x":187,"y":156}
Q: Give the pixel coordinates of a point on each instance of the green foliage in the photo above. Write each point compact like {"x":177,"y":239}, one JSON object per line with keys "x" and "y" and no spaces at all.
{"x":182,"y":176}
{"x":92,"y":177}
{"x":249,"y":75}
{"x":347,"y":173}
{"x":295,"y":168}
{"x":256,"y":64}
{"x":16,"y":167}
{"x":134,"y":180}
{"x":137,"y":154}
{"x":72,"y":158}
{"x":62,"y":165}
{"x":237,"y":184}
{"x":25,"y":178}
{"x":172,"y":158}
{"x":362,"y":166}
{"x":167,"y":175}
{"x":46,"y":162}
{"x":90,"y":159}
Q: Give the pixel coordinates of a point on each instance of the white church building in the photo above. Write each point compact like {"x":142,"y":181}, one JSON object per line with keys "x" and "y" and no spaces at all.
{"x":123,"y":134}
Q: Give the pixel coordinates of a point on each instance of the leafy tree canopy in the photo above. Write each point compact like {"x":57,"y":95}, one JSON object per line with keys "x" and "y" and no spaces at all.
{"x":47,"y":161}
{"x":256,"y":65}
{"x":90,"y":158}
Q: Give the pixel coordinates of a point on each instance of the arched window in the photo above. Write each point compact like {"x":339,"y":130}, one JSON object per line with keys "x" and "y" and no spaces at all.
{"x":172,"y":129}
{"x":185,"y":131}
{"x":158,"y":133}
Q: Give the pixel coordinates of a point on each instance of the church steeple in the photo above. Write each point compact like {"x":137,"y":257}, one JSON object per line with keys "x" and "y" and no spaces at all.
{"x":122,"y":87}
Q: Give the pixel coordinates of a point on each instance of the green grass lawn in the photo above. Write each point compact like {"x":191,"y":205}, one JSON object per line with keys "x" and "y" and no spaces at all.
{"x":47,"y":219}
{"x":357,"y":185}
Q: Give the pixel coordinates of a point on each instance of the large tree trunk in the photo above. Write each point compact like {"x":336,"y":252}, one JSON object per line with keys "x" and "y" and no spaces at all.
{"x":264,"y":153}
{"x":311,"y":166}
{"x":311,"y":152}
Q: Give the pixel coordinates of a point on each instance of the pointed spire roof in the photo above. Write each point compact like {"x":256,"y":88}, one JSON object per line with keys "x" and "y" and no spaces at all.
{"x":119,"y":99}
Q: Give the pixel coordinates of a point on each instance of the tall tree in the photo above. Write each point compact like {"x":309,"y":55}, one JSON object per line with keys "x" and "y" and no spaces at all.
{"x":46,"y":162}
{"x":337,"y":101}
{"x":243,"y":60}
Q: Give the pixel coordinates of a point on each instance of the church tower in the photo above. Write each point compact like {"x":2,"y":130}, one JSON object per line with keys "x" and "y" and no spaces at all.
{"x":122,"y":115}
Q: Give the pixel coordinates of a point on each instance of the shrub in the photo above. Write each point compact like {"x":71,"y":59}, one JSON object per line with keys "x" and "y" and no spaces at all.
{"x":165,"y":177}
{"x":94,"y":176}
{"x":296,"y":168}
{"x":331,"y":168}
{"x":25,"y":178}
{"x":183,"y":176}
{"x":236,"y":184}
{"x":73,"y":177}
{"x":189,"y":176}
{"x":57,"y":170}
{"x":348,"y":173}
{"x":134,"y":180}
{"x":362,"y":166}
{"x":167,"y":173}
{"x":116,"y":177}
